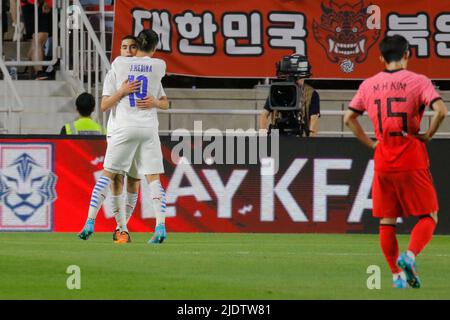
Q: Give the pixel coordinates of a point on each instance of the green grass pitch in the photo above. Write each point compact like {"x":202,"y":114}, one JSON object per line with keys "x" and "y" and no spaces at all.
{"x":211,"y":266}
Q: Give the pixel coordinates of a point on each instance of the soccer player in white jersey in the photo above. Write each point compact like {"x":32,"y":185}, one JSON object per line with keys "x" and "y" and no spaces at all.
{"x":135,"y":136}
{"x":128,"y":48}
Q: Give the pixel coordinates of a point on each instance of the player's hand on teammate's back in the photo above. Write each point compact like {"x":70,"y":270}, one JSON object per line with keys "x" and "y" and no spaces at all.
{"x":129,"y":87}
{"x":148,"y":103}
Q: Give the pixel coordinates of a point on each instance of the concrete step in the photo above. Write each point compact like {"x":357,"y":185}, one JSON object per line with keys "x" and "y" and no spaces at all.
{"x":259,"y":93}
{"x":213,"y":104}
{"x":45,"y":123}
{"x":10,"y":49}
{"x":324,"y":104}
{"x":211,"y":94}
{"x":34,"y":88}
{"x":42,"y":104}
{"x":221,"y":122}
{"x":347,"y":95}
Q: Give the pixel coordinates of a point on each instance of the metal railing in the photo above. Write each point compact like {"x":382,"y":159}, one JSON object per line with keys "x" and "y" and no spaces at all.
{"x":18,"y":61}
{"x":84,"y":63}
{"x":99,"y":12}
{"x":10,"y":106}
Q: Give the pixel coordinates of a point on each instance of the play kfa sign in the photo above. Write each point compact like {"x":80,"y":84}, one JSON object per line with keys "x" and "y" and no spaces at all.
{"x":270,"y":193}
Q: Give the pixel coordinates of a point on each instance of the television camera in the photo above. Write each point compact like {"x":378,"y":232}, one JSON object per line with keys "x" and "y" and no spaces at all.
{"x":286,"y":98}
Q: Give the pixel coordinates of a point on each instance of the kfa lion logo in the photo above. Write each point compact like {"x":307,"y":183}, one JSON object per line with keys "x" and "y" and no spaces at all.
{"x":344,"y":34}
{"x":25,"y":186}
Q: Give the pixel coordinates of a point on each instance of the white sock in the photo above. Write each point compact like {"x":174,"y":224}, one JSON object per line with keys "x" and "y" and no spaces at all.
{"x":98,"y":196}
{"x":119,"y":214}
{"x":130,"y":204}
{"x":411,"y":255}
{"x":116,"y":205}
{"x":124,"y":227}
{"x":159,"y":201}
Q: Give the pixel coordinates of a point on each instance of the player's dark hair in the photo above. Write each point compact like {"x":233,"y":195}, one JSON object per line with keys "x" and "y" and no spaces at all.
{"x":129,"y":37}
{"x":85,"y":104}
{"x":393,"y":48}
{"x":147,"y":40}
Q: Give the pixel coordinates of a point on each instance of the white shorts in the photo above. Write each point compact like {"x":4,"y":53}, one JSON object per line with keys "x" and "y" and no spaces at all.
{"x":133,"y":173}
{"x":134,"y":151}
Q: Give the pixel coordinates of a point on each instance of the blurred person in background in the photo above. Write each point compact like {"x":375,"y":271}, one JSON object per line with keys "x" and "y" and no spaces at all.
{"x":4,"y":18}
{"x":44,"y":31}
{"x":311,"y":106}
{"x":85,"y":104}
{"x":17,"y":24}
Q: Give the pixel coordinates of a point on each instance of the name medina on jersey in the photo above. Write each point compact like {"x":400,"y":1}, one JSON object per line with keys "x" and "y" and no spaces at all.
{"x":25,"y":186}
{"x":140,"y":68}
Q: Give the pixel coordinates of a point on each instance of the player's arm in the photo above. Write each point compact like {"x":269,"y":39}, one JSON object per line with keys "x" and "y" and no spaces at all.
{"x":440,"y":112}
{"x":314,"y":111}
{"x":313,"y":125}
{"x":264,"y":119}
{"x":154,"y":102}
{"x":264,"y":116}
{"x":125,"y":89}
{"x":163,"y":103}
{"x":151,"y":102}
{"x":351,"y":121}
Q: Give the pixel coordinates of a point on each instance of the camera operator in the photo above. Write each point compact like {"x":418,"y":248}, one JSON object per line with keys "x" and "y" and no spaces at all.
{"x":309,"y":102}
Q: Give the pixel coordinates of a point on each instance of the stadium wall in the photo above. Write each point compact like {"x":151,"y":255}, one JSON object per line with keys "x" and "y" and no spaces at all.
{"x":321,"y":185}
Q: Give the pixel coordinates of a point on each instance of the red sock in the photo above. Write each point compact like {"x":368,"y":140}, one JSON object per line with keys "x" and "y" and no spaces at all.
{"x":389,"y":245}
{"x":421,"y":234}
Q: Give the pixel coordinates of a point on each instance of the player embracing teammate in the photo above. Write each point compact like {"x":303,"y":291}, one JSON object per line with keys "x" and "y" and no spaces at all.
{"x":135,"y":140}
{"x":395,"y":100}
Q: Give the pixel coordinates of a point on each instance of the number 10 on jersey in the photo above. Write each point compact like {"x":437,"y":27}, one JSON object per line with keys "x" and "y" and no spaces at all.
{"x":142,"y":93}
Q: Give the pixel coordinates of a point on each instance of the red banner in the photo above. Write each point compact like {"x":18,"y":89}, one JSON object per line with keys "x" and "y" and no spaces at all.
{"x":245,"y":38}
{"x":322,"y":185}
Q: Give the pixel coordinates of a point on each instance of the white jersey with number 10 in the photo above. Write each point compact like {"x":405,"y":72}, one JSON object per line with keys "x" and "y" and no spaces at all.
{"x":149,"y":72}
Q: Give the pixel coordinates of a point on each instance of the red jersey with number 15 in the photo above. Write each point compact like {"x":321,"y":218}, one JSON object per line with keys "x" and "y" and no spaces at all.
{"x":395,"y":102}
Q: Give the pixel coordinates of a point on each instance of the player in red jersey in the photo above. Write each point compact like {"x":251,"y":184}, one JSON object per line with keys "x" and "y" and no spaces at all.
{"x":395,"y":100}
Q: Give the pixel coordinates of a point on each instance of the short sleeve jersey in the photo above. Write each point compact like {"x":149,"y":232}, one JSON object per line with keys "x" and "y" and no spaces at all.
{"x":395,"y":102}
{"x":108,"y":90}
{"x":149,"y":72}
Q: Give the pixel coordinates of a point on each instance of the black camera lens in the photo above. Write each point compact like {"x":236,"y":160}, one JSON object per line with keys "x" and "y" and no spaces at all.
{"x":283,"y":96}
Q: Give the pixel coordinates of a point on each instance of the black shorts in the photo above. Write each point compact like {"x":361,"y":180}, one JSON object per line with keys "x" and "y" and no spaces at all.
{"x":44,"y":20}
